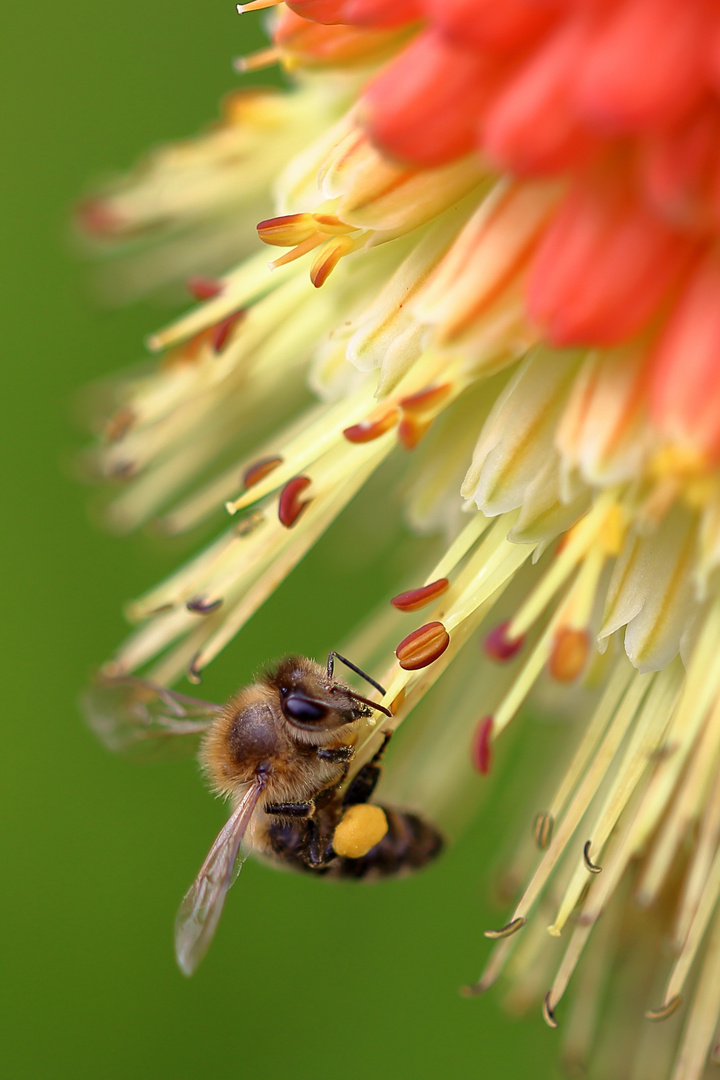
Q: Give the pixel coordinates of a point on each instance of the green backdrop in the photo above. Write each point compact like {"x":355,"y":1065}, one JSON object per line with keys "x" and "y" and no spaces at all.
{"x":304,"y":979}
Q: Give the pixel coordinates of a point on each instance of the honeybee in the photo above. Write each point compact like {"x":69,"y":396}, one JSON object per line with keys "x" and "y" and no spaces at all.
{"x":282,"y":751}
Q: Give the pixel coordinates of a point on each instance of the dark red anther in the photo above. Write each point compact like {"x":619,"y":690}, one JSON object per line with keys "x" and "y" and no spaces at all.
{"x":259,"y":470}
{"x":204,"y":288}
{"x":119,"y":424}
{"x":223,"y":328}
{"x":414,"y":599}
{"x":373,"y":427}
{"x":426,"y":401}
{"x":481,"y":748}
{"x":193,"y":673}
{"x":99,"y":218}
{"x":498,"y":646}
{"x":200,"y":605}
{"x":290,"y":506}
{"x":423,"y":646}
{"x":411,"y":431}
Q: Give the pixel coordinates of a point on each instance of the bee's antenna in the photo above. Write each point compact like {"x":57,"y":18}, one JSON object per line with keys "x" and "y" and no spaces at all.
{"x":358,"y":671}
{"x":371,"y":704}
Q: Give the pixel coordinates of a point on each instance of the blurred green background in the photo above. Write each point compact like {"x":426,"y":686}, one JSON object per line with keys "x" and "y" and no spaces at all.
{"x":304,"y":979}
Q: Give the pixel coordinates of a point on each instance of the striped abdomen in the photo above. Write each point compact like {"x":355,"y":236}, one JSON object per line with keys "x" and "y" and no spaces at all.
{"x":409,"y":844}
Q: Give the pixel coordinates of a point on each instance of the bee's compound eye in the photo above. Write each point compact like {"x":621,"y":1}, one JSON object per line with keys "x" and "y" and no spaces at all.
{"x":297,"y":707}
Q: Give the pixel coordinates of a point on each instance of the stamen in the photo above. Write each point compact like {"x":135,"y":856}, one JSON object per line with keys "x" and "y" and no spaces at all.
{"x":648,"y":726}
{"x":548,"y":1014}
{"x":264,"y":58}
{"x":700,"y":691}
{"x":200,"y":605}
{"x":543,"y":830}
{"x":249,"y":524}
{"x":591,"y":866}
{"x":701,"y":858}
{"x":426,"y":401}
{"x":297,"y":252}
{"x":579,"y":540}
{"x":414,"y":599}
{"x":397,"y":702}
{"x":569,"y":654}
{"x":374,"y":426}
{"x":505,"y":931}
{"x":498,"y":646}
{"x":665,"y":1010}
{"x":331,"y":224}
{"x":202,"y":288}
{"x":422,"y":646}
{"x":98,"y":217}
{"x":411,"y":431}
{"x":193,"y":671}
{"x":290,"y":507}
{"x":462,"y":543}
{"x":119,"y":424}
{"x":497,"y":960}
{"x":481,"y":747}
{"x":256,"y":5}
{"x":277,"y":552}
{"x":586,"y":790}
{"x":259,"y":470}
{"x":616,"y":687}
{"x":591,"y":982}
{"x":326,"y":260}
{"x":700,"y":1032}
{"x":222,"y":330}
{"x":706,"y":907}
{"x":568,"y":964}
{"x":287,"y":230}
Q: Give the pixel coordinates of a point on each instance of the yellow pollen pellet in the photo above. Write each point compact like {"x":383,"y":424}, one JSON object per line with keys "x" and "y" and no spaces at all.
{"x":361,"y":828}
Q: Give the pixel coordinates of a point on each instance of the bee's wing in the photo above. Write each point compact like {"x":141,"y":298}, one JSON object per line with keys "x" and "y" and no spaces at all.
{"x":202,"y":904}
{"x":140,"y":718}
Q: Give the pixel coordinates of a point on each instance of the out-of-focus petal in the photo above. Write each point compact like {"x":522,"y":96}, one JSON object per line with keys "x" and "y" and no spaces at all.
{"x":424,"y":107}
{"x":685,"y":387}
{"x":378,"y":14}
{"x":678,"y":171}
{"x":533,"y":126}
{"x":641,"y":69}
{"x":505,"y":25}
{"x":603,"y":268}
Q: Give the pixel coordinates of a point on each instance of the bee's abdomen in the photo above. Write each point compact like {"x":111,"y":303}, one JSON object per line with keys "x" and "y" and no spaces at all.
{"x":409,"y":844}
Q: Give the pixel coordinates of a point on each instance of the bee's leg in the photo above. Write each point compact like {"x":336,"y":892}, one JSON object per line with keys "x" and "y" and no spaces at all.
{"x":336,"y":753}
{"x":290,"y":809}
{"x":364,"y":783}
{"x":320,"y":832}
